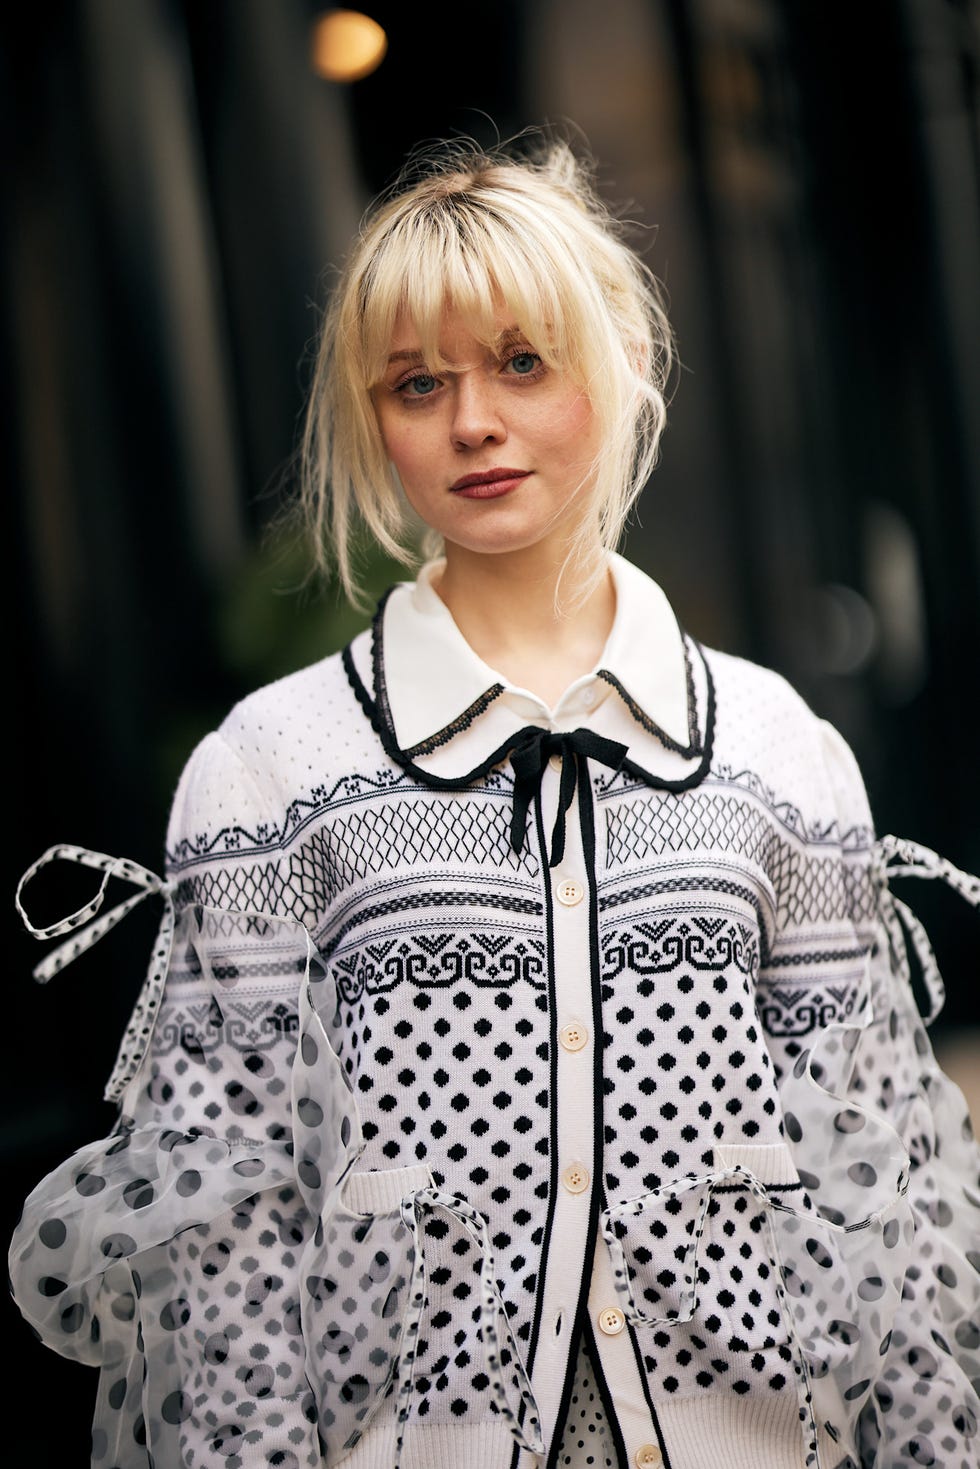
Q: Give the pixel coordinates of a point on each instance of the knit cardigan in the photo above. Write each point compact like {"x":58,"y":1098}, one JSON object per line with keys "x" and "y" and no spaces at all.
{"x":478,"y":1035}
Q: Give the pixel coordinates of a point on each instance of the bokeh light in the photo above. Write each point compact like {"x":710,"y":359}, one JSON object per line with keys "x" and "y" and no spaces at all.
{"x":347,"y":45}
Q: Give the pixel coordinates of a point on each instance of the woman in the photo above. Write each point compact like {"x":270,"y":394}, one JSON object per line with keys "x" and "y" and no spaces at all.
{"x":528,"y":1070}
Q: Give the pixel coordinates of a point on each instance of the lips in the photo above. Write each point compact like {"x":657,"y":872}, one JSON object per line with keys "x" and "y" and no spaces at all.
{"x":489,"y":482}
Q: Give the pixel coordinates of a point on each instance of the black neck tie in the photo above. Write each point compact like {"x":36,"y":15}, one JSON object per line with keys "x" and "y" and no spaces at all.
{"x":530,"y":755}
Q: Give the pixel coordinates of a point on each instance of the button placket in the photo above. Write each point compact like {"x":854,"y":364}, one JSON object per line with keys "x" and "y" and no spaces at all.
{"x":569,"y":892}
{"x":616,"y":1355}
{"x":576,"y":1178}
{"x":648,"y":1456}
{"x":610,"y":1321}
{"x":572,"y":917}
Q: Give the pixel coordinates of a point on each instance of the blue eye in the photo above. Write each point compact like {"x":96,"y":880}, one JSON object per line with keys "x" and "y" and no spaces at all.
{"x":524,"y":363}
{"x":419,"y":386}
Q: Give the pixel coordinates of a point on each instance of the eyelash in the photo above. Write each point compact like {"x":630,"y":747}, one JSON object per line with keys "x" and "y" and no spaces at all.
{"x":401,"y":387}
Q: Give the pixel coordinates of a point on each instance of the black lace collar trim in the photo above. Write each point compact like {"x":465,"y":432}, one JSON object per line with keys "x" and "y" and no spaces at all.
{"x":378,"y":711}
{"x":694,"y":744}
{"x":442,"y":736}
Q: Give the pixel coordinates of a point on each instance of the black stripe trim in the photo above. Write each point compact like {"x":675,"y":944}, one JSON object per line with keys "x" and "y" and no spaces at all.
{"x":437,"y":899}
{"x":645,"y":1381}
{"x":549,"y":916}
{"x":825,"y":956}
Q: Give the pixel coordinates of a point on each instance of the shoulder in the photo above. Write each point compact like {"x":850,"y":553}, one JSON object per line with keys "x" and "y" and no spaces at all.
{"x":742,"y":682}
{"x":759,"y":710}
{"x":312,"y":704}
{"x":276,"y":746}
{"x":765,"y":726}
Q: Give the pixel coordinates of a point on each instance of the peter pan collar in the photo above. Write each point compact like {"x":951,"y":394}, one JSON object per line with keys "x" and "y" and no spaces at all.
{"x":424,"y":687}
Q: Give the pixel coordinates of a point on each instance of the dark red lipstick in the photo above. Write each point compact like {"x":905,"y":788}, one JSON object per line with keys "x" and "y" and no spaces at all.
{"x":489,"y":483}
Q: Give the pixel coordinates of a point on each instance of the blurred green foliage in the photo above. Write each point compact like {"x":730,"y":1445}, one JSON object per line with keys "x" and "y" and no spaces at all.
{"x":272,"y":617}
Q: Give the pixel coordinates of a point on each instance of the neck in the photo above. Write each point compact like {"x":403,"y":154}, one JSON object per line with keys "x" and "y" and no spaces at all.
{"x":505,"y":607}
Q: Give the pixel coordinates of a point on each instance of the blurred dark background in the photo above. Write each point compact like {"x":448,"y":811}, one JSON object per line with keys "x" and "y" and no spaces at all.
{"x":179,"y":182}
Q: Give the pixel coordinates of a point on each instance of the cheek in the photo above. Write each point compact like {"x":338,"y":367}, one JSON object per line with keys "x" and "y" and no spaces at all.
{"x":573,"y":430}
{"x":416,"y":470}
{"x":401,"y":446}
{"x":581,"y":418}
{"x":568,"y":411}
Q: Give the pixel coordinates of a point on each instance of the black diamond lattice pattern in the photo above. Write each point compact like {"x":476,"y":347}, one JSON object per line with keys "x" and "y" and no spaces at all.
{"x":808,"y":888}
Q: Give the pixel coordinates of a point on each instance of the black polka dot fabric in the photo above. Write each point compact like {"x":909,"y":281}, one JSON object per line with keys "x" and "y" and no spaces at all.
{"x":335,"y":1202}
{"x":586,"y":1442}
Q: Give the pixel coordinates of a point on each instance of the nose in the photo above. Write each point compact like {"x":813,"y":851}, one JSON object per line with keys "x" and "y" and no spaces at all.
{"x":476,"y":413}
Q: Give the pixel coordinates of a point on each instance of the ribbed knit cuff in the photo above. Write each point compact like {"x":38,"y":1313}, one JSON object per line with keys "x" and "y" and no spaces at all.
{"x":741,"y":1433}
{"x":436,"y":1446}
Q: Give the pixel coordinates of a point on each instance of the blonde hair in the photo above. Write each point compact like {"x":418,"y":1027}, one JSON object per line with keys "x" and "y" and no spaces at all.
{"x":467,"y":228}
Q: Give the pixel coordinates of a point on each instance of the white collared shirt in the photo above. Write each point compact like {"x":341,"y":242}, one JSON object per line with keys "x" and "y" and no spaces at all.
{"x":448,"y":710}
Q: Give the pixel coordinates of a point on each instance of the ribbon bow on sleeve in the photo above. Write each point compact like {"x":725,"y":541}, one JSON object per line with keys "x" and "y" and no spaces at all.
{"x":529,"y":757}
{"x":138,"y":1032}
{"x":900,"y":857}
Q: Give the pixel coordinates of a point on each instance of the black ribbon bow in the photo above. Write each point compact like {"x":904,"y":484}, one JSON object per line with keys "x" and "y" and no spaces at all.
{"x":530,"y":756}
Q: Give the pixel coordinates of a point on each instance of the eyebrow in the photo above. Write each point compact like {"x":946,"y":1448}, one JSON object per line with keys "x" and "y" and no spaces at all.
{"x":405,"y":357}
{"x":510,"y":334}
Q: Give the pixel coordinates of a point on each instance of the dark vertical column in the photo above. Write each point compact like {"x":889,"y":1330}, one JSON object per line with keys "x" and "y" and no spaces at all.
{"x":897,"y":412}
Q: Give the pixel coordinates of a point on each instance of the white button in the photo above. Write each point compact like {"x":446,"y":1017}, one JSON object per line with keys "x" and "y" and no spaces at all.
{"x":648,"y":1456}
{"x":588,"y":697}
{"x":575,"y":1178}
{"x":569,"y":892}
{"x":555,"y":762}
{"x":611,"y":1321}
{"x":573,"y":1037}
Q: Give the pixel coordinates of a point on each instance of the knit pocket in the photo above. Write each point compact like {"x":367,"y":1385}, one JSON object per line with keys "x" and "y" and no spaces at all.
{"x":701,"y":1251}
{"x":741,"y":1249}
{"x":355,"y":1300}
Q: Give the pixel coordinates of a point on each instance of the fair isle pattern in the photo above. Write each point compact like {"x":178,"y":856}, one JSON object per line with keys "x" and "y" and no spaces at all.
{"x":729,"y":781}
{"x":337,"y":1166}
{"x":342,"y":846}
{"x":807,"y":884}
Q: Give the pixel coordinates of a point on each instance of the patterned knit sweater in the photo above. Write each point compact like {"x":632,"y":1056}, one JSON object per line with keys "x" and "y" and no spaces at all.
{"x":482,"y":1035}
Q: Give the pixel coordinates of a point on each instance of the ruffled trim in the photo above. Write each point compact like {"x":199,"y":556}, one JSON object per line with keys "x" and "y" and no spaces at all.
{"x":847,"y":1262}
{"x":879,"y":1252}
{"x":93,"y":1264}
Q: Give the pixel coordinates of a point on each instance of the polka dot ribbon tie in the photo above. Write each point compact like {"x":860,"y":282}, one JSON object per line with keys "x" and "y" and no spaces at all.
{"x":899,"y":857}
{"x":140,"y":1027}
{"x":523,"y":1420}
{"x":529,"y":759}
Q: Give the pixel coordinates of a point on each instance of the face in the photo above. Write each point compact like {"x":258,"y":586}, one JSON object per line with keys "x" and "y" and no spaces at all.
{"x":494,"y":453}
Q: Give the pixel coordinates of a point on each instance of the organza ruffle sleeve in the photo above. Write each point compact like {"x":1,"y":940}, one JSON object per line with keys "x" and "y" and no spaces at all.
{"x":882,"y":1277}
{"x":181,"y":1254}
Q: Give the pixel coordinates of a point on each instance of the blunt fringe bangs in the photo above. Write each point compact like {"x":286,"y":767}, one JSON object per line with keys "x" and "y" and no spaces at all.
{"x":465,"y":229}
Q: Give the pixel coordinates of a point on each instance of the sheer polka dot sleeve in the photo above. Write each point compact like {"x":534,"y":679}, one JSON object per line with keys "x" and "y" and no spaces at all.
{"x":884,"y":1283}
{"x":924,"y":1408}
{"x":170,"y":1254}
